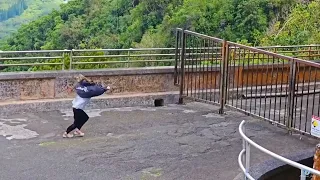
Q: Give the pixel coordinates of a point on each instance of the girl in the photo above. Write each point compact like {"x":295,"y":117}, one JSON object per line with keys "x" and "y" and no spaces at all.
{"x":78,"y":104}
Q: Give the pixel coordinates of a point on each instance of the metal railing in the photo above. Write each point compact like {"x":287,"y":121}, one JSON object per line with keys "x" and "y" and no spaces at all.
{"x":115,"y":58}
{"x":278,"y":88}
{"x":135,"y":57}
{"x":85,"y":59}
{"x":26,"y":60}
{"x":275,"y":87}
{"x":246,"y":156}
{"x":198,"y":55}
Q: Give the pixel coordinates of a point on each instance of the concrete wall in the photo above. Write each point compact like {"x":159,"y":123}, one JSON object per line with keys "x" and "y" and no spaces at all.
{"x":54,"y":85}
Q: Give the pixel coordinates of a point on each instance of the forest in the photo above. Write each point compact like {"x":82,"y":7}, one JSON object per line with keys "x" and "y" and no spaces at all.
{"x":9,"y":9}
{"x":14,"y":13}
{"x":142,"y":23}
{"x":92,"y":24}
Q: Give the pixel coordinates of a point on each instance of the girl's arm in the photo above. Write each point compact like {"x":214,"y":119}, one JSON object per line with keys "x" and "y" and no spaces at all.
{"x":84,"y":83}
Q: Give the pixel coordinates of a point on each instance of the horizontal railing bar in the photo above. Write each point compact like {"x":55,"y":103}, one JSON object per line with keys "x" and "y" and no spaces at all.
{"x":114,"y":62}
{"x":132,"y":49}
{"x":150,"y":49}
{"x":274,"y":54}
{"x":274,"y":155}
{"x":261,"y":51}
{"x":255,"y":115}
{"x":30,"y":58}
{"x":280,"y":94}
{"x":291,"y":46}
{"x":241,"y":52}
{"x":302,"y":132}
{"x":34,"y":51}
{"x":118,"y":56}
{"x":297,"y":51}
{"x":30,"y":64}
{"x":203,"y":36}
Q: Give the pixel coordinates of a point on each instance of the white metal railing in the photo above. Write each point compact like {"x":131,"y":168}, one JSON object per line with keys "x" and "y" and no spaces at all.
{"x":245,"y":156}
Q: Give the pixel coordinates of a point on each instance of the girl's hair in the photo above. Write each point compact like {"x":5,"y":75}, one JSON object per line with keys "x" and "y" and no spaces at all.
{"x":81,"y":77}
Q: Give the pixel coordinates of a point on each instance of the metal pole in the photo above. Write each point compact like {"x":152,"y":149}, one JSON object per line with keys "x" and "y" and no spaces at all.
{"x":292,"y":82}
{"x":183,"y":39}
{"x":71,"y":53}
{"x":247,"y":157}
{"x":176,"y":58}
{"x":128,"y":59}
{"x":244,"y":147}
{"x":223,"y":77}
{"x":226,"y":82}
{"x":63,"y":60}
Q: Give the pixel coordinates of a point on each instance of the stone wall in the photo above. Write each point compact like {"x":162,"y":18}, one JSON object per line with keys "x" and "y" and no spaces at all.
{"x":54,"y":85}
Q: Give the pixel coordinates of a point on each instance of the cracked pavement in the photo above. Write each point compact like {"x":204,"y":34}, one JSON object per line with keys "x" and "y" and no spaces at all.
{"x":135,"y":143}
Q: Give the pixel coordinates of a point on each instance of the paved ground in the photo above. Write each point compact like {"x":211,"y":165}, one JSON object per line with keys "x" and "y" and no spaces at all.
{"x":174,"y":142}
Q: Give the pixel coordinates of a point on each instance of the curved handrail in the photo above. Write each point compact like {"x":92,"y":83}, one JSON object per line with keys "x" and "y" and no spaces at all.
{"x":274,"y":155}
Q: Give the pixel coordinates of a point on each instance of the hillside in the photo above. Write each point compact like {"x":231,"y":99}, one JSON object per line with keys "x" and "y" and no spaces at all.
{"x":14,"y":13}
{"x":301,"y":27}
{"x":145,"y":23}
{"x":11,"y":8}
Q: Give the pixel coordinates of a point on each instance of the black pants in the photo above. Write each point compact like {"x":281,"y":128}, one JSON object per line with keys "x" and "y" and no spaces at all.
{"x":80,"y":118}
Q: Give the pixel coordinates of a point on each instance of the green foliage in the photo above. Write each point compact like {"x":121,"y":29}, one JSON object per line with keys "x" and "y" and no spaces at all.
{"x":234,"y":20}
{"x":126,"y":23}
{"x":9,"y":9}
{"x":23,"y":12}
{"x":94,"y":24}
{"x":301,"y":27}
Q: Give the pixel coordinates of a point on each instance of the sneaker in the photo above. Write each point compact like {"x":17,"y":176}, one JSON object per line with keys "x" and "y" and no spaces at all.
{"x":65,"y":135}
{"x":78,"y":133}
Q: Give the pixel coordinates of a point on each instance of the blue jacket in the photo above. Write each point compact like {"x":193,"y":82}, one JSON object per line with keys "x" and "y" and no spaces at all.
{"x":88,"y":90}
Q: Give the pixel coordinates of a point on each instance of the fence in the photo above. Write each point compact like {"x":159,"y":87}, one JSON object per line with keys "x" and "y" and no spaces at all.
{"x":245,"y":155}
{"x":307,"y":52}
{"x":198,"y":72}
{"x":274,"y":87}
{"x":85,"y":59}
{"x":278,"y":88}
{"x":143,"y":57}
{"x":32,"y":60}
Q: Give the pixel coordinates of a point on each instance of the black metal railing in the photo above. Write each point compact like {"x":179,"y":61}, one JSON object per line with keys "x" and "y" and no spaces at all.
{"x":276,"y":87}
{"x":199,"y":63}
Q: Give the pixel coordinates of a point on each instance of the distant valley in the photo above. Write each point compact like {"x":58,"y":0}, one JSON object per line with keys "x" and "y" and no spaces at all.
{"x":14,"y":13}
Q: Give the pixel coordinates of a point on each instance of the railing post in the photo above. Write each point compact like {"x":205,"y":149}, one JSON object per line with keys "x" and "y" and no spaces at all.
{"x":63,"y":59}
{"x":292,"y":82}
{"x":128,"y":59}
{"x":244,"y":147}
{"x":71,"y":54}
{"x":223,"y":76}
{"x":247,"y":158}
{"x":176,"y":57}
{"x":183,"y":42}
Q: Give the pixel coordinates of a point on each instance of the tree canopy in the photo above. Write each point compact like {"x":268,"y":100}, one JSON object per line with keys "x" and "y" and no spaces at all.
{"x":144,"y":23}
